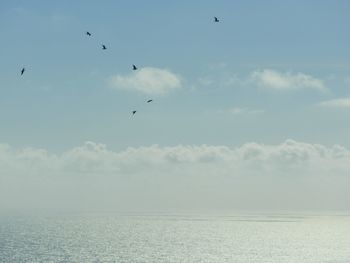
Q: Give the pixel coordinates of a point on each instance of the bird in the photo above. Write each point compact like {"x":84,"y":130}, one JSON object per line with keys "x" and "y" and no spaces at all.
{"x":134,"y":67}
{"x":216,"y":19}
{"x":149,"y":101}
{"x":104,"y":47}
{"x":88,"y":33}
{"x":133,"y":112}
{"x":22,"y":71}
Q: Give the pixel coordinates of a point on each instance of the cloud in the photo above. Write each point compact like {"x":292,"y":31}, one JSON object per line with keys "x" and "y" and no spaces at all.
{"x":239,"y":111}
{"x":275,"y":80}
{"x":265,"y":78}
{"x":336,"y":103}
{"x":148,"y":80}
{"x":287,"y":175}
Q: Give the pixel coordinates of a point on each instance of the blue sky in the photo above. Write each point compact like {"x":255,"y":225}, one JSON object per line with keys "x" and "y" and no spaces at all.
{"x":64,"y":97}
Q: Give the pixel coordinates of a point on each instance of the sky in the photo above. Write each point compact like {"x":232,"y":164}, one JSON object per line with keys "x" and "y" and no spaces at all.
{"x":255,"y":108}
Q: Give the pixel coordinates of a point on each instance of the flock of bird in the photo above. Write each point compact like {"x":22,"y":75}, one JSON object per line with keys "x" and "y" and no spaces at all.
{"x":216,"y":20}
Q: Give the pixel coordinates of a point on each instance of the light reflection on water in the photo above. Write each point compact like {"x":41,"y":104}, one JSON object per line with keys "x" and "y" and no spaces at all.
{"x":176,"y":238}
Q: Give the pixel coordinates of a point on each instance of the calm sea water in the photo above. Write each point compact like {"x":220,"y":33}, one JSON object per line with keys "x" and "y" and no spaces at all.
{"x":176,"y":238}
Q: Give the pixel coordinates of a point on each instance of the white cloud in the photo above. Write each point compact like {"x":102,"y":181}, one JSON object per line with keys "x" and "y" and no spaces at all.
{"x":241,"y":111}
{"x":265,"y":78}
{"x":272,"y":79}
{"x":288,"y":175}
{"x":153,"y":81}
{"x":336,"y":103}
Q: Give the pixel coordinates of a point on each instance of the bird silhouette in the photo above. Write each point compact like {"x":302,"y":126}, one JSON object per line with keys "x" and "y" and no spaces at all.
{"x":22,"y":71}
{"x":216,"y":19}
{"x":134,"y":67}
{"x":149,"y":101}
{"x":88,"y":33}
{"x":133,"y":112}
{"x":104,"y":47}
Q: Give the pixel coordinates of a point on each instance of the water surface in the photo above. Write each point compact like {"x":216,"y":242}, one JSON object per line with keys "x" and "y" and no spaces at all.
{"x":250,"y":237}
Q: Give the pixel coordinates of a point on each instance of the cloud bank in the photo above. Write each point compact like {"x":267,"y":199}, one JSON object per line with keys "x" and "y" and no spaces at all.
{"x":289,"y":175}
{"x":148,"y":80}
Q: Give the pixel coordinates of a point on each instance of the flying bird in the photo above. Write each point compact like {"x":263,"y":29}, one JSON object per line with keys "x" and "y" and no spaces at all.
{"x":149,"y":101}
{"x":88,"y":33}
{"x":104,"y":47}
{"x":22,"y":71}
{"x":216,"y":19}
{"x":133,"y":112}
{"x":134,"y":67}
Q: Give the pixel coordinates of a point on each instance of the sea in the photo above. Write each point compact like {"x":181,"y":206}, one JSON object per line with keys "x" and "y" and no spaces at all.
{"x":160,"y":237}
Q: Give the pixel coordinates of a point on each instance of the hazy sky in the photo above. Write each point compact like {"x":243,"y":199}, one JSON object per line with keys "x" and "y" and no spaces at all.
{"x":255,"y":108}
